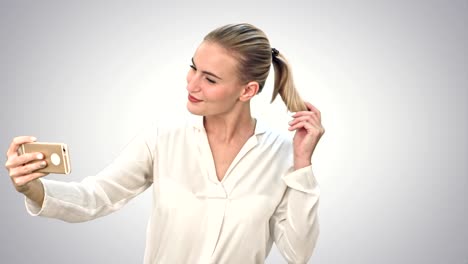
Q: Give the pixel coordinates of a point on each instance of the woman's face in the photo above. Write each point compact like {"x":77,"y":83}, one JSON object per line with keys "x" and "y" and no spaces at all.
{"x":212,"y":81}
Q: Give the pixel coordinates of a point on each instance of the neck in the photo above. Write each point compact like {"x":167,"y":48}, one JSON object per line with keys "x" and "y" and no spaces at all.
{"x":230,"y":126}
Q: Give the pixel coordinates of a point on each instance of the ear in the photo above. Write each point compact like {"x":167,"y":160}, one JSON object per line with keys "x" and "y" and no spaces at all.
{"x":249,"y":91}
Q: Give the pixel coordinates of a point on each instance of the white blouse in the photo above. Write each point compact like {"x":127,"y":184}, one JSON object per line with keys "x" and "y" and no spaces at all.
{"x":195,"y":217}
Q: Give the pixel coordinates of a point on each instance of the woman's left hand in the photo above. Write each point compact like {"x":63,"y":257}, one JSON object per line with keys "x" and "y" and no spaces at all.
{"x":309,"y":130}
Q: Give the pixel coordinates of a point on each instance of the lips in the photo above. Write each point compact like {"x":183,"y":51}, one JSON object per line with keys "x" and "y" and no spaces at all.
{"x":193,"y":99}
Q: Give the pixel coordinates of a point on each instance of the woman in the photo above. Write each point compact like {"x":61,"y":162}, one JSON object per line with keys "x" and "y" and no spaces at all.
{"x":225,"y":186}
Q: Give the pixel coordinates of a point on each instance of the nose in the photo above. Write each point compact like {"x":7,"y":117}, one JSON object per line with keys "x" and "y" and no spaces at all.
{"x":192,"y":82}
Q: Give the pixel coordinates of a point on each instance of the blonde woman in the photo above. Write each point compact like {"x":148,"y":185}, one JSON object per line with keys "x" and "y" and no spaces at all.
{"x":225,"y":186}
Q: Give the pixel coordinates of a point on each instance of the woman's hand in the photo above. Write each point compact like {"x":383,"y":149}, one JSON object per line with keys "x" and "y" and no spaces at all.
{"x":21,"y":169}
{"x":309,"y":130}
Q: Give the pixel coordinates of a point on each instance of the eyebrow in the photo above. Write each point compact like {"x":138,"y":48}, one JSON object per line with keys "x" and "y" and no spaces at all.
{"x":207,"y":72}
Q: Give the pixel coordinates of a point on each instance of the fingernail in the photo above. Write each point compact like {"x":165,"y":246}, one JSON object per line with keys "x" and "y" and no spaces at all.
{"x":33,"y":138}
{"x":289,"y":122}
{"x":42,"y":164}
{"x":39,"y":156}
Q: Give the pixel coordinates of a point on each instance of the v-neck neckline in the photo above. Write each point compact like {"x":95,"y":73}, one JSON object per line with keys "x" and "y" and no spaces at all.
{"x":246,"y":147}
{"x":207,"y":157}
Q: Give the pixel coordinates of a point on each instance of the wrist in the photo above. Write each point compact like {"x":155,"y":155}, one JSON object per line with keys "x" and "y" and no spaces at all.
{"x":35,"y":192}
{"x":300,"y":163}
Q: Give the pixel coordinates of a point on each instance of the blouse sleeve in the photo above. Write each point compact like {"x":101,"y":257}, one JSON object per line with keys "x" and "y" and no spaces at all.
{"x":294,"y":224}
{"x":127,"y":176}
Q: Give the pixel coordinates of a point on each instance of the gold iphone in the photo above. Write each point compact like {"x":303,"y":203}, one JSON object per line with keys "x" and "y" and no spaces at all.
{"x":55,"y":154}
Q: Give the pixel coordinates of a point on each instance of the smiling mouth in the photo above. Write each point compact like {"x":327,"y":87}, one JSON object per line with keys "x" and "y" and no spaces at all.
{"x":193,"y":99}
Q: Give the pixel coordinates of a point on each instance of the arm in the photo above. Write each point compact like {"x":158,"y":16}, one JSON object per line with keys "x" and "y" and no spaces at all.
{"x":294,"y":224}
{"x":128,"y":175}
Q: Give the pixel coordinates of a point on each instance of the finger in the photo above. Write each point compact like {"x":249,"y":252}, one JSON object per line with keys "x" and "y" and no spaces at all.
{"x":27,"y":169}
{"x":312,"y":115}
{"x":309,"y":113}
{"x":299,"y":113}
{"x":22,"y":180}
{"x":306,"y":125}
{"x":307,"y":118}
{"x":313,"y":109}
{"x":16,"y":143}
{"x":16,"y":161}
{"x":311,"y":129}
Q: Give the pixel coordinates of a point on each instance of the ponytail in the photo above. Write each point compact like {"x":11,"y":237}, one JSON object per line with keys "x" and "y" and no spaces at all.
{"x":284,"y":84}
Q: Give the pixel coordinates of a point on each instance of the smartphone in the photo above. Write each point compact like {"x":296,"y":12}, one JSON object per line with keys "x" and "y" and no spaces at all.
{"x":55,"y":154}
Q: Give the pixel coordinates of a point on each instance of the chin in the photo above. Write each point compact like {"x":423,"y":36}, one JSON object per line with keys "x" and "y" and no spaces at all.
{"x":193,"y":110}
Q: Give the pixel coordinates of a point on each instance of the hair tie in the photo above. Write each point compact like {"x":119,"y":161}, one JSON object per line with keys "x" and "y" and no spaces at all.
{"x":274,"y":52}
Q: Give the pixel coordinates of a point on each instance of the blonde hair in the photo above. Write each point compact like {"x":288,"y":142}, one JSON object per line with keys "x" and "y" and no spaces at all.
{"x":252,"y":49}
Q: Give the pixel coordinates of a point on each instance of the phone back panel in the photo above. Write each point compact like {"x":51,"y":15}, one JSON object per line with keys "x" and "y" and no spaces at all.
{"x":55,"y":154}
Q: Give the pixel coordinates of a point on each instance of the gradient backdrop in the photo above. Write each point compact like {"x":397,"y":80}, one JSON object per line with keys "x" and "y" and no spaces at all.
{"x":390,"y":77}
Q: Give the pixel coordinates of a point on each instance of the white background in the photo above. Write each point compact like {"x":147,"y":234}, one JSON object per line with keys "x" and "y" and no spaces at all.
{"x":390,"y":77}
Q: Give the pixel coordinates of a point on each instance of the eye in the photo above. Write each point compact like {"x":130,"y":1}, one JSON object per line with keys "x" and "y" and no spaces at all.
{"x":193,"y":67}
{"x":210,"y":80}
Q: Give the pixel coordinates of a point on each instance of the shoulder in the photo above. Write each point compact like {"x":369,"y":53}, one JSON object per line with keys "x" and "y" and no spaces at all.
{"x":273,"y":137}
{"x":173,"y":127}
{"x":165,"y":132}
{"x":274,"y":146}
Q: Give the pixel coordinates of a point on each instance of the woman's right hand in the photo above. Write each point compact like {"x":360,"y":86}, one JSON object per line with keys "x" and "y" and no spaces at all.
{"x":22,"y":169}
